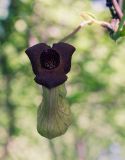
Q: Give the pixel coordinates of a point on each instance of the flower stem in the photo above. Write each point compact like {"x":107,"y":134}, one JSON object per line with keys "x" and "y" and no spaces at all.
{"x":76,"y":30}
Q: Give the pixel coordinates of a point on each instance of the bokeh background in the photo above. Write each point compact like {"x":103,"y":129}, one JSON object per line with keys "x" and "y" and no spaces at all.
{"x":95,"y":88}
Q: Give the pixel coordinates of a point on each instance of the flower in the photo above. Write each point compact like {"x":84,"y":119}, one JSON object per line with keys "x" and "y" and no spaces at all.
{"x":50,"y":64}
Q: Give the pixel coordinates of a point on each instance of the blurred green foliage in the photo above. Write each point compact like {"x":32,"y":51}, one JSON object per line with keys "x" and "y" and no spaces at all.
{"x":96,"y":84}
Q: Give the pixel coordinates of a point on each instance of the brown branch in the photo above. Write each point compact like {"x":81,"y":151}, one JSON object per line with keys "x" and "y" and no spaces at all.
{"x":121,"y":3}
{"x":117,"y":9}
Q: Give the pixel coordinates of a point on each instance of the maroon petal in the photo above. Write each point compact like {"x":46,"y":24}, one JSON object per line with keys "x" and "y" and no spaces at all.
{"x":65,"y":51}
{"x":34,"y":53}
{"x":50,"y":65}
{"x":51,"y":78}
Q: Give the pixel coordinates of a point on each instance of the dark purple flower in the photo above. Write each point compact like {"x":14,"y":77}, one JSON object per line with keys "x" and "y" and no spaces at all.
{"x":50,"y":65}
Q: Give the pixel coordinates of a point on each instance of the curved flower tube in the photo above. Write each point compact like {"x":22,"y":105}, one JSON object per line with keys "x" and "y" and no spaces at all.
{"x":54,"y":115}
{"x":50,"y":64}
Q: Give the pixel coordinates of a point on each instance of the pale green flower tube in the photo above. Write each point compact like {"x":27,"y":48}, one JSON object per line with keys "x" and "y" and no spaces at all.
{"x":54,"y":114}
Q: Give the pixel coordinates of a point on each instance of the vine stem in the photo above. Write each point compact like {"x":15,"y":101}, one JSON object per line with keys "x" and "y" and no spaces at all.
{"x":117,"y":8}
{"x":120,"y":3}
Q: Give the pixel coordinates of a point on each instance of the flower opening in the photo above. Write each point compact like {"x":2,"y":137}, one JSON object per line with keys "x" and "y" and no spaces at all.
{"x":50,"y":64}
{"x":49,"y":59}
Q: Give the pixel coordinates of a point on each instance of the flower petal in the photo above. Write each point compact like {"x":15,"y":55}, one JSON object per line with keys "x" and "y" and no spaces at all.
{"x":51,"y":78}
{"x":34,"y":53}
{"x":65,"y":51}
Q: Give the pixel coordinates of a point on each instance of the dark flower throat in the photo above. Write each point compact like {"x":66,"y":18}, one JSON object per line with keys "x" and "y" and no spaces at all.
{"x":49,"y":59}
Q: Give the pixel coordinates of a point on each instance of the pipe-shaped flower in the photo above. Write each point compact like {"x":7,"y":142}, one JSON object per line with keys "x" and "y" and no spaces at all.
{"x":50,"y":65}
